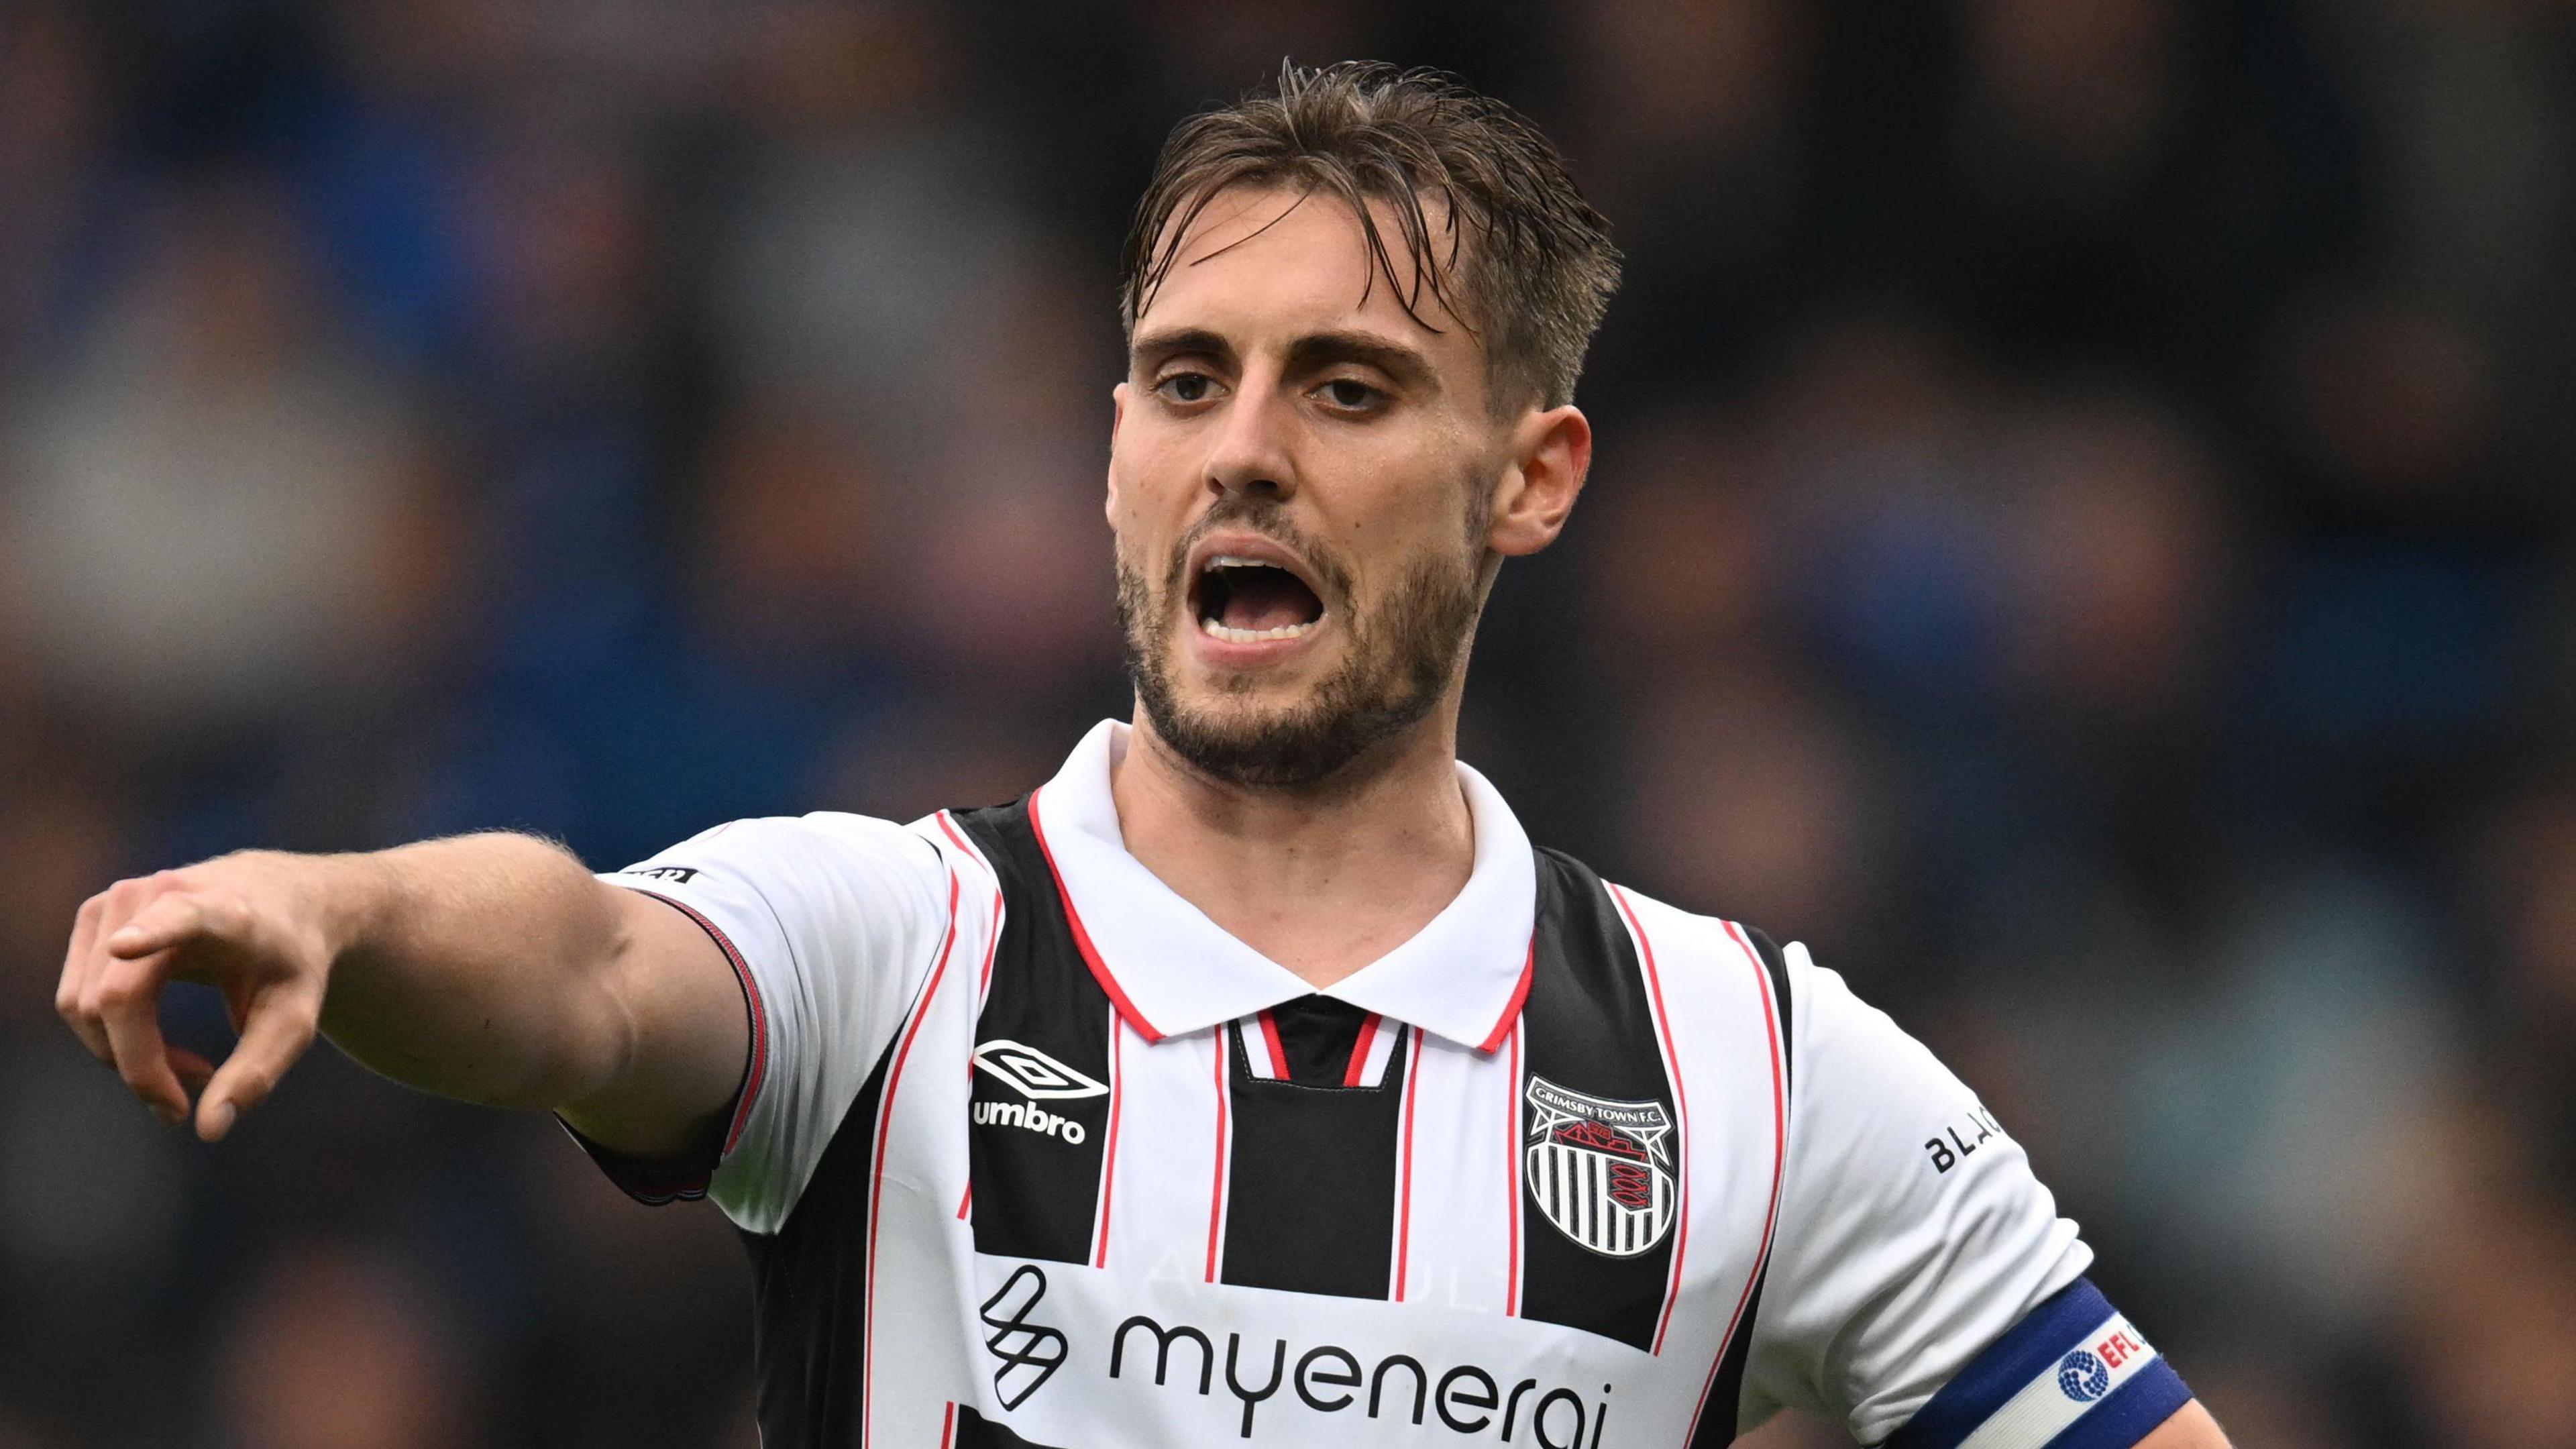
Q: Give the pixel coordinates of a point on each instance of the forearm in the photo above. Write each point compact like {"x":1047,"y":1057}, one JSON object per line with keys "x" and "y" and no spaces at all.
{"x":481,"y":967}
{"x":488,"y":967}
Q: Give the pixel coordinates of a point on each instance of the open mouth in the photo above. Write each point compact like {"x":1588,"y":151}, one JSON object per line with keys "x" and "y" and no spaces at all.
{"x":1245,"y":601}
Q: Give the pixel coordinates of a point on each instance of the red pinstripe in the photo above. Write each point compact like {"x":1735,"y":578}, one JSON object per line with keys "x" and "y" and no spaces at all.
{"x":1404,"y":1212}
{"x":1359,"y":1051}
{"x":1512,"y":1175}
{"x":1278,"y":1053}
{"x":876,"y":1185}
{"x":1216,"y":1190}
{"x":984,"y":978}
{"x":1082,"y":938}
{"x":1520,"y":993}
{"x":1124,"y":1010}
{"x":1771,"y":1025}
{"x":1109,"y":1154}
{"x":1681,"y":1103}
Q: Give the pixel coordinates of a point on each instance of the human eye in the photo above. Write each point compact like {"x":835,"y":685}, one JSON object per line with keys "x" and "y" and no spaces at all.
{"x":1185,"y":387}
{"x":1350,"y":395}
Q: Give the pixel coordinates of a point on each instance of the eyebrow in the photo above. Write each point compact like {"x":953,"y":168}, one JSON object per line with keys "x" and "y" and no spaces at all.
{"x":1315,"y":350}
{"x":1177,"y":342}
{"x":1323,"y":349}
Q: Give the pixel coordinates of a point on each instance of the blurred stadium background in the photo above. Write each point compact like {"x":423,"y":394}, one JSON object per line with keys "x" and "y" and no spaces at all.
{"x":2080,"y":536}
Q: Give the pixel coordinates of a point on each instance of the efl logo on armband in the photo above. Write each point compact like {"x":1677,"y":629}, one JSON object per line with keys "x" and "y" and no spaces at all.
{"x":2067,"y":1389}
{"x":2072,"y":1374}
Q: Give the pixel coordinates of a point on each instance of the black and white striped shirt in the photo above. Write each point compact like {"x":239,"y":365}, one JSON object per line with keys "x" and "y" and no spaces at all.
{"x":1030,"y":1151}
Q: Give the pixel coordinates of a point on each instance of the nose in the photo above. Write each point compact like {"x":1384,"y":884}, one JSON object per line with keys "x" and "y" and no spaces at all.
{"x":1253,"y":453}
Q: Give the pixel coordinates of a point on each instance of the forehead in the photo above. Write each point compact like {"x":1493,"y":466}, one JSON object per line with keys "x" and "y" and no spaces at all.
{"x":1268,"y":262}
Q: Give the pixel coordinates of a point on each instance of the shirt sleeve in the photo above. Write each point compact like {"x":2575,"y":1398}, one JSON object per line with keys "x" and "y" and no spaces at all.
{"x":831,"y":923}
{"x":1914,"y":1241}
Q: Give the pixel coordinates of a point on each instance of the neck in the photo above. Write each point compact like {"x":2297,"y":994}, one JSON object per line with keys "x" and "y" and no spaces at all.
{"x":1322,"y":881}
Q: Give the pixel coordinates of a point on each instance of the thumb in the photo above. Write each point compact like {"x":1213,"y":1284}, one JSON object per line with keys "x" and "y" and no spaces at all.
{"x":281,"y":1023}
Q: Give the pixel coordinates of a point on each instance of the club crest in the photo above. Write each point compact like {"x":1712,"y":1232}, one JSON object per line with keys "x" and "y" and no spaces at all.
{"x":1601,"y":1171}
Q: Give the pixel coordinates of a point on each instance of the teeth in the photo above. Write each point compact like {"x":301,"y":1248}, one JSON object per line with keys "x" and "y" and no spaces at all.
{"x":1233,"y":635}
{"x":1230,"y":561}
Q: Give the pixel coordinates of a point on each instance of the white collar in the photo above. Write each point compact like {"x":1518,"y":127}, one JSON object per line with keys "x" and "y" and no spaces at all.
{"x":1171,"y":970}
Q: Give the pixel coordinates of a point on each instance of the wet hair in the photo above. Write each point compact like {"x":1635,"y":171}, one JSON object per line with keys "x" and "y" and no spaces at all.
{"x":1494,"y":227}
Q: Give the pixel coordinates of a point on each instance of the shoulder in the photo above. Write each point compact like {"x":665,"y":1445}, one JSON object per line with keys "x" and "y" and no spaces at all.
{"x":995,"y":842}
{"x":821,"y":837}
{"x":1683,"y":949}
{"x":1693,"y":938}
{"x":1839,"y":1055}
{"x":802,"y":873}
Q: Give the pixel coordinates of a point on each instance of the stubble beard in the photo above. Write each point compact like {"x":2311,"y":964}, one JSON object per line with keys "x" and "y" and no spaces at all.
{"x":1400,"y":654}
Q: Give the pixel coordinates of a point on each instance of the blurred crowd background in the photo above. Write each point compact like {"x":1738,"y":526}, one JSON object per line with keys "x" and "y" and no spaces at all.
{"x":2080,"y":536}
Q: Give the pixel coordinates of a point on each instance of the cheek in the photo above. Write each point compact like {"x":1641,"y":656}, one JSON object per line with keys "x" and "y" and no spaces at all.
{"x":1151,"y":474}
{"x":1132,"y":486}
{"x":1427,"y":504}
{"x":1140,"y":523}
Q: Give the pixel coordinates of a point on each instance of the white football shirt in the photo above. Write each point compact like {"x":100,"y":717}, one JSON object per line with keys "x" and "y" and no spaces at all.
{"x":1029,"y":1151}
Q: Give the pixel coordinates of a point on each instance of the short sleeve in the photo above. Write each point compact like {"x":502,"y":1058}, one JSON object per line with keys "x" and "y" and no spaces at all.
{"x":1913,"y":1235}
{"x":831,"y":922}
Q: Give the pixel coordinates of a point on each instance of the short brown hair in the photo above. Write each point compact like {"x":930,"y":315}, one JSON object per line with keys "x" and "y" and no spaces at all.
{"x":1532,"y":286}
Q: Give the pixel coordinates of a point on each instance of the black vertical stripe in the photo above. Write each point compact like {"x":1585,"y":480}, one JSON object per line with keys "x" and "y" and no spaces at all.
{"x":1310,"y":1187}
{"x":1318,"y":1035}
{"x":810,"y":1289}
{"x":1725,"y":1403}
{"x":1035,"y":1188}
{"x":1588,"y":1029}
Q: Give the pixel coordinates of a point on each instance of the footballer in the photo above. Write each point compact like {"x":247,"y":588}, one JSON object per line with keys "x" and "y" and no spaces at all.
{"x":1255,"y":1079}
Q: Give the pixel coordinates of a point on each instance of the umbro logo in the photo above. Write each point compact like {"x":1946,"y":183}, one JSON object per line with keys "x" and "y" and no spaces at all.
{"x":1032,"y":1073}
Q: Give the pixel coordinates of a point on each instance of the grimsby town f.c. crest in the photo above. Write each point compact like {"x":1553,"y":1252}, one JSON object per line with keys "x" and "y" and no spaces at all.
{"x":1601,"y":1171}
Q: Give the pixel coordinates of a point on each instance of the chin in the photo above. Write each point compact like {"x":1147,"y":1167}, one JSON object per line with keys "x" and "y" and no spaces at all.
{"x":1239,"y":706}
{"x":1274,"y":734}
{"x":1276,"y":688}
{"x":1302,"y":711}
{"x":1201,"y":703}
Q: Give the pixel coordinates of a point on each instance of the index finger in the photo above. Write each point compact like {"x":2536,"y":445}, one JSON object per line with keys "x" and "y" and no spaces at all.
{"x":77,"y":963}
{"x":129,"y":1006}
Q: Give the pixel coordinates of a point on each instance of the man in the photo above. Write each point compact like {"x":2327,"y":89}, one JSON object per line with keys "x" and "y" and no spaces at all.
{"x":1252,"y":1079}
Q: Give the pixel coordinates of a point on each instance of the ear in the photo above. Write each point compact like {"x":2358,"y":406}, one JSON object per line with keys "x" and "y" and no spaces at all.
{"x":1117,"y":417}
{"x":1551,"y":454}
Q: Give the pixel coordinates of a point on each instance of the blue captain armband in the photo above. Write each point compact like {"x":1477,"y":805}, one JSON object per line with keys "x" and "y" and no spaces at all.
{"x":2073,"y":1374}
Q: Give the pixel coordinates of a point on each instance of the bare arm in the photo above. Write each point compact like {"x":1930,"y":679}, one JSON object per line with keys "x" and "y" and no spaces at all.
{"x":488,"y":967}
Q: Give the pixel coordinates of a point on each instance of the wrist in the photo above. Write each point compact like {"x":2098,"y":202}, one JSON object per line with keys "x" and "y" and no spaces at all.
{"x":352,"y":900}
